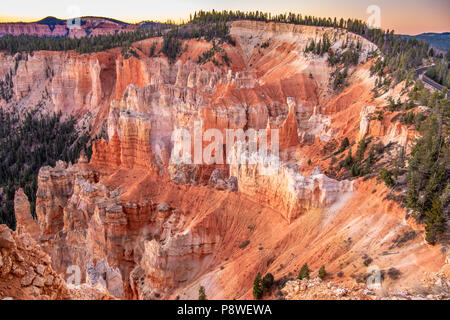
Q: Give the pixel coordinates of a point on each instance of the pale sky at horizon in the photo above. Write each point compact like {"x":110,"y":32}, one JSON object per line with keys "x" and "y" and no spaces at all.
{"x":404,"y":16}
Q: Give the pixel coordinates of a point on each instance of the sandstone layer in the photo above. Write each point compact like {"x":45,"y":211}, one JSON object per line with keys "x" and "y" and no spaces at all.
{"x":72,"y":28}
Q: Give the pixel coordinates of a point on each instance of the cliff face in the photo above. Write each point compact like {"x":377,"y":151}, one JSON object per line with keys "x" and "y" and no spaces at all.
{"x":52,"y":27}
{"x":55,"y":188}
{"x":52,"y":82}
{"x":288,"y":191}
{"x":132,"y":148}
{"x":160,"y":229}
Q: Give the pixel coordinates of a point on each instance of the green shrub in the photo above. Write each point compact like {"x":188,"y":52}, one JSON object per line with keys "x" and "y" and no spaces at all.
{"x":380,"y":116}
{"x":267,"y":281}
{"x":386,"y":176}
{"x":244,"y":244}
{"x":355,"y":170}
{"x":435,"y":223}
{"x":359,"y":156}
{"x":322,"y":272}
{"x":348,"y":160}
{"x":265,"y":44}
{"x":344,"y":144}
{"x":367,"y":261}
{"x":304,"y":272}
{"x":201,"y":293}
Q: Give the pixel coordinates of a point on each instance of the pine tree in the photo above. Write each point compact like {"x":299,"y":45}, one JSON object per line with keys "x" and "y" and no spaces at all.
{"x":435,"y":221}
{"x":258,"y":287}
{"x":360,"y":150}
{"x":267,"y":281}
{"x":344,"y":144}
{"x":348,"y":160}
{"x":201,"y":293}
{"x":355,"y":170}
{"x":412,"y":194}
{"x":50,"y":137}
{"x":304,"y":272}
{"x":322,"y":272}
{"x":386,"y":176}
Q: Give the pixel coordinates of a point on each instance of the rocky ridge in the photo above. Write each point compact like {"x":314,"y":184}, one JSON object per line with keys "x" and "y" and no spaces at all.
{"x":26,"y":272}
{"x":53,"y":27}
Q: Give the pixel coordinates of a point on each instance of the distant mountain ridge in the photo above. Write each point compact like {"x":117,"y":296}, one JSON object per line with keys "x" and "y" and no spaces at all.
{"x":51,"y":21}
{"x":56,"y":21}
{"x":439,"y":41}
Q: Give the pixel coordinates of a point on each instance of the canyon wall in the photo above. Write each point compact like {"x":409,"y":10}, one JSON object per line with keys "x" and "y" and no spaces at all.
{"x":53,"y":27}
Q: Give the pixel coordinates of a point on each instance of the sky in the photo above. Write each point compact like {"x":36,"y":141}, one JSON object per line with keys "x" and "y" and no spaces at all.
{"x":403,"y":16}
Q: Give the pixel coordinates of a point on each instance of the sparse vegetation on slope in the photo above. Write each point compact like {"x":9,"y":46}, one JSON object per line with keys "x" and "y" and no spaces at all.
{"x":27,"y":145}
{"x":171,"y":45}
{"x":27,"y":43}
{"x":440,"y":71}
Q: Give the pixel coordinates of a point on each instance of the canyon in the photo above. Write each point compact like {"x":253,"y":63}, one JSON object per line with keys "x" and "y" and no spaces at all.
{"x":140,"y":225}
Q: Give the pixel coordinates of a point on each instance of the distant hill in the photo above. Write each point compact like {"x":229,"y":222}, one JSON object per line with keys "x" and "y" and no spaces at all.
{"x":51,"y":21}
{"x":439,"y":41}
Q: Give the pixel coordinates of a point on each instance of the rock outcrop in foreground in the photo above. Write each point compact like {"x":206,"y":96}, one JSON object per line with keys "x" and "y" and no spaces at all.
{"x":26,"y":272}
{"x":435,"y":286}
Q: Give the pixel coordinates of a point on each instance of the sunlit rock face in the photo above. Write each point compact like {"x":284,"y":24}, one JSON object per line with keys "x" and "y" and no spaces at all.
{"x":55,"y":189}
{"x":286,"y":190}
